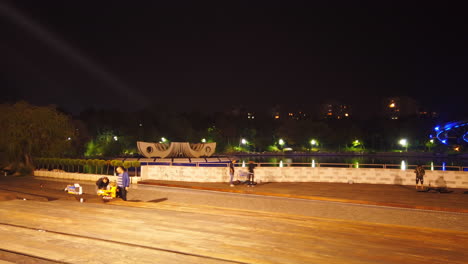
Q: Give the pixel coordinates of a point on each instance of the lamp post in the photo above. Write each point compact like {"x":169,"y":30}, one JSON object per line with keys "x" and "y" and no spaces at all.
{"x":404,"y":143}
{"x":313,"y":143}
{"x":281,"y":142}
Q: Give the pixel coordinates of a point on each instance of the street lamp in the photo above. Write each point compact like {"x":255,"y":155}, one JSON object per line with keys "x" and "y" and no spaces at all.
{"x":356,"y":143}
{"x":404,"y":143}
{"x":281,"y":142}
{"x":203,"y":140}
{"x":313,"y":142}
{"x":243,"y":141}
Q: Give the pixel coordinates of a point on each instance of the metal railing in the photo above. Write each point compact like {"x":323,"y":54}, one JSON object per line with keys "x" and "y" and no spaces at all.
{"x":356,"y":165}
{"x":317,"y":165}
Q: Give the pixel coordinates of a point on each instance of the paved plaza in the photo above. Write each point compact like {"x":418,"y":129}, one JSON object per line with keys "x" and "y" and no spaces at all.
{"x":174,"y":222}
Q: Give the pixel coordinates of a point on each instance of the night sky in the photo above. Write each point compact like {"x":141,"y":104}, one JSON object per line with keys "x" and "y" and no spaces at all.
{"x":210,"y":55}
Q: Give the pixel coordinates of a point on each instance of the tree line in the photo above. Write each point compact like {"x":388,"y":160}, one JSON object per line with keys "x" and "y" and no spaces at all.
{"x":30,"y":131}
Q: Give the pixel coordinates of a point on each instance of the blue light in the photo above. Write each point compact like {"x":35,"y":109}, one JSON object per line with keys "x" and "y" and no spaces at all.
{"x":443,"y":131}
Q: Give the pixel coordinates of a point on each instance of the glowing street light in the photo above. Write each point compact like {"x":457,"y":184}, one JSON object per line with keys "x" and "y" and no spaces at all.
{"x":281,"y":142}
{"x":116,"y":138}
{"x":203,"y":140}
{"x":163,"y":140}
{"x":404,"y":143}
{"x":313,"y":142}
{"x":356,"y":143}
{"x":243,"y":141}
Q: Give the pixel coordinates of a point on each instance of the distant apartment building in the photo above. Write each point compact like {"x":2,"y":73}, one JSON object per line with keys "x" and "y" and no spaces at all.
{"x":335,"y":111}
{"x":398,"y":107}
{"x":282,"y":113}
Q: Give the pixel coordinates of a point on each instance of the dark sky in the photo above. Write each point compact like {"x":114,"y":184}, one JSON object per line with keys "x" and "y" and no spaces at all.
{"x":131,"y":54}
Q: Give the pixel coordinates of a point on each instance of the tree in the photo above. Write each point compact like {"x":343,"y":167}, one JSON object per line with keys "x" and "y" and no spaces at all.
{"x":29,"y":130}
{"x":136,"y":165}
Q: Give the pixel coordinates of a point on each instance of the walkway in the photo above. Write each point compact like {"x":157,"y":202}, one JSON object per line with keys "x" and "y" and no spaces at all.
{"x":371,"y":194}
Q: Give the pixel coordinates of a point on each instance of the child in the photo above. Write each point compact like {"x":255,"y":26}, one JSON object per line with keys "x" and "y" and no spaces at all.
{"x":110,"y":192}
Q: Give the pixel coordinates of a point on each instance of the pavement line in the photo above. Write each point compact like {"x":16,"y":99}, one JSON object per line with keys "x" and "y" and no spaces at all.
{"x":31,"y":256}
{"x":125,"y":243}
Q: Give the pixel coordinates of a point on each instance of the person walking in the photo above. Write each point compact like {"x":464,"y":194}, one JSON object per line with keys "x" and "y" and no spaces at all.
{"x":419,"y":171}
{"x":231,"y":172}
{"x":251,"y":182}
{"x":123,"y":182}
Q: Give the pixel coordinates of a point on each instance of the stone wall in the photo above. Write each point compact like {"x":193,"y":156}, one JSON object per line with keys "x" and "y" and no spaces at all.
{"x":451,"y":179}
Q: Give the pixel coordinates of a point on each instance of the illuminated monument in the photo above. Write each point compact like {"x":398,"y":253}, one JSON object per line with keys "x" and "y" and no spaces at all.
{"x":453,"y":132}
{"x":176,"y":149}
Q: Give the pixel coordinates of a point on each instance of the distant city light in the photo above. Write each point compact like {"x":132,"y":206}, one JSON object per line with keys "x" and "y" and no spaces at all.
{"x":116,"y":138}
{"x":203,"y":140}
{"x":313,"y":142}
{"x":392,"y":105}
{"x":163,"y":139}
{"x":281,"y":142}
{"x":69,"y":138}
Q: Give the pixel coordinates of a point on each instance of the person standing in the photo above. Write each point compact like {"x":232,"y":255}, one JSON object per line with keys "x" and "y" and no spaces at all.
{"x":123,"y":182}
{"x":419,"y":171}
{"x":250,"y":182}
{"x":231,"y":172}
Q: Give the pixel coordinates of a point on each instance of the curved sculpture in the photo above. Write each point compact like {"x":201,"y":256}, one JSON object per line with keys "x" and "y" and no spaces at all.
{"x":176,"y":149}
{"x":453,"y":132}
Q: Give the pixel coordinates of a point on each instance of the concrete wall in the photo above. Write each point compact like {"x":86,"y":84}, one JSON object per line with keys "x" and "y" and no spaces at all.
{"x":184,"y":173}
{"x":451,"y":179}
{"x":77,"y":176}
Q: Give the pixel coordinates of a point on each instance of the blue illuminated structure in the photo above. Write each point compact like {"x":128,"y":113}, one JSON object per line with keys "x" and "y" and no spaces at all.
{"x":453,"y":132}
